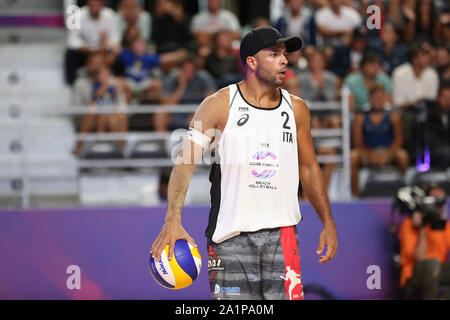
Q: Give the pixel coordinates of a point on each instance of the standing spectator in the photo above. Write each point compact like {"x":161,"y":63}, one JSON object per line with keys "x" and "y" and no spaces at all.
{"x":98,"y":32}
{"x":138,"y":66}
{"x":437,"y":131}
{"x":205,"y":23}
{"x":170,"y":29}
{"x":222,"y":63}
{"x":359,"y":82}
{"x":187,"y":85}
{"x":377,"y":137}
{"x":411,"y":82}
{"x":131,"y":14}
{"x":298,"y":20}
{"x":391,"y":51}
{"x":336,"y":23}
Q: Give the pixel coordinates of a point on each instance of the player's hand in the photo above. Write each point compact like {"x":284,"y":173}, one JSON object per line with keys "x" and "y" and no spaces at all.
{"x":328,"y":238}
{"x":170,"y":233}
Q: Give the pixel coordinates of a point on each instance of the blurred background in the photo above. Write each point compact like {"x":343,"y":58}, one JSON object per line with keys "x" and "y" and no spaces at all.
{"x":95,"y":97}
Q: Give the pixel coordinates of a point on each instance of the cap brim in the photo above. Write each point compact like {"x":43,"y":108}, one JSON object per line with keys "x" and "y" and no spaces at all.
{"x":292,"y":43}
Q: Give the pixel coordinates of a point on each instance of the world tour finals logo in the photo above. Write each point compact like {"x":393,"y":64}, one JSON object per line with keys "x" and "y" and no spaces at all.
{"x":265,"y":173}
{"x":263,"y":166}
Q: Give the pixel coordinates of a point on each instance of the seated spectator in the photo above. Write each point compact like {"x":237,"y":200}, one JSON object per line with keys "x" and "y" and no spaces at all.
{"x":222,"y":63}
{"x":357,"y":49}
{"x":442,"y":63}
{"x":98,"y":32}
{"x":421,"y":20}
{"x":391,"y":51}
{"x":170,"y":30}
{"x":107,"y":92}
{"x":131,"y":34}
{"x":82,"y":88}
{"x":336,"y":23}
{"x":413,"y":81}
{"x":299,"y":21}
{"x":206,"y":23}
{"x":318,"y":84}
{"x":359,"y":82}
{"x":424,"y":254}
{"x":443,"y":20}
{"x":131,"y":14}
{"x":437,"y":131}
{"x":377,"y":138}
{"x":186,"y":85}
{"x":138,"y":66}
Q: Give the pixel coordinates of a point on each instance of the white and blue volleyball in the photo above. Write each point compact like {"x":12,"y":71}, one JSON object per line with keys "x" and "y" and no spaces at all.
{"x":179,"y":272}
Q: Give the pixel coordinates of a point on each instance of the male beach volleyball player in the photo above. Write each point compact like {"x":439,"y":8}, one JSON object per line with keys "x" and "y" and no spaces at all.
{"x":264,"y":146}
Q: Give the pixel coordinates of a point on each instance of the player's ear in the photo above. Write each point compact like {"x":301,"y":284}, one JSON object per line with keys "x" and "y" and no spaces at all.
{"x":251,"y":62}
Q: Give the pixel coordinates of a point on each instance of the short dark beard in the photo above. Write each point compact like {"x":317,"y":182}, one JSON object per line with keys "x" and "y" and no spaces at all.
{"x":265,"y":77}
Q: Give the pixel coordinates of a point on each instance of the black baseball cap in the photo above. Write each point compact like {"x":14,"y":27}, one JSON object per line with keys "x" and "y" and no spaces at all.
{"x":266,"y":37}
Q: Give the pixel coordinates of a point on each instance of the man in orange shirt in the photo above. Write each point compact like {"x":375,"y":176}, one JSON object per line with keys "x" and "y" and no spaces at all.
{"x":424,"y":253}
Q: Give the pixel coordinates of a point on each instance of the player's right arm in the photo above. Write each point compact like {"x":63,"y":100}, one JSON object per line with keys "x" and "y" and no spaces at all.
{"x":208,"y":117}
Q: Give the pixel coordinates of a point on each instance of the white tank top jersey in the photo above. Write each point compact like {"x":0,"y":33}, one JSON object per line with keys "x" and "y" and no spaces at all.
{"x":255,"y":177}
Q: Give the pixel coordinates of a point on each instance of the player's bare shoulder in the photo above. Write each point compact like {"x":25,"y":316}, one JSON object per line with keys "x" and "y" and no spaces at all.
{"x":214,"y":109}
{"x":300,"y":109}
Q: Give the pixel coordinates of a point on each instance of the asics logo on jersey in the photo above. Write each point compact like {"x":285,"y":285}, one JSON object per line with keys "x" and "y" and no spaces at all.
{"x":243,"y":120}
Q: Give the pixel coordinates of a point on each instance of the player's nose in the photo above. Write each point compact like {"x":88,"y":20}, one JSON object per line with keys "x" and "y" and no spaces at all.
{"x":284,"y":60}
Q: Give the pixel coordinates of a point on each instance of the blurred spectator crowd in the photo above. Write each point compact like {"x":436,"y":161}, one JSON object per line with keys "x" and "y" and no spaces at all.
{"x":398,"y":73}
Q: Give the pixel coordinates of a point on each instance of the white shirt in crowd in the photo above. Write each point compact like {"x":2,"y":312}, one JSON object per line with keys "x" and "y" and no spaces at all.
{"x":296,"y":26}
{"x":347,"y":19}
{"x":223,"y":20}
{"x":407,"y":89}
{"x":90,"y":29}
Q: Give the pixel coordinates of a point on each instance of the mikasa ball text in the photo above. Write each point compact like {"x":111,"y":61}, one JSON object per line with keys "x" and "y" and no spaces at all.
{"x":179,"y":272}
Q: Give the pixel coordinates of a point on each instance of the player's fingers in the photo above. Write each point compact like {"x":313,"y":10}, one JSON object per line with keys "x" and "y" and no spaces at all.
{"x":321,"y":246}
{"x":159,"y":246}
{"x":191,"y":241}
{"x":171,"y":248}
{"x":154,"y":247}
{"x":329,"y":254}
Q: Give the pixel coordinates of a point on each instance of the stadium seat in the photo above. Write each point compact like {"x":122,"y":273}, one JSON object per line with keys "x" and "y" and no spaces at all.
{"x":148,"y":149}
{"x":101,"y":150}
{"x":383,"y":182}
{"x":433,"y":176}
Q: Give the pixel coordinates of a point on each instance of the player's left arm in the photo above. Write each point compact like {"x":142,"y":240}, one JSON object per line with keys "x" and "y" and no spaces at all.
{"x":312,"y":180}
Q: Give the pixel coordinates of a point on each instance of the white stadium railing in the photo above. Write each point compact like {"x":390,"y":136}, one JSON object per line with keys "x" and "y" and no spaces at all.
{"x":25,"y":115}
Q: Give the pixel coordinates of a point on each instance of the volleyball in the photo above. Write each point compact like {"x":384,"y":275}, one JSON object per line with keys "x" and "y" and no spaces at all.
{"x":181,"y":271}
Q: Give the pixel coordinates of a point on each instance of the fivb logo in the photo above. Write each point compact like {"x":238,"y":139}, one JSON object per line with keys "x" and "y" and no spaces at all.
{"x":73,"y":17}
{"x":374,"y":17}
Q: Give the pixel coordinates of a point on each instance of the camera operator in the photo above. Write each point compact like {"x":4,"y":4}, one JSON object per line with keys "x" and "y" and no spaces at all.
{"x":424,"y":249}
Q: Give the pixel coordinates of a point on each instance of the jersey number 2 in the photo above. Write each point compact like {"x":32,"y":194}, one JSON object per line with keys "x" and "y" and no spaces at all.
{"x":285,"y":126}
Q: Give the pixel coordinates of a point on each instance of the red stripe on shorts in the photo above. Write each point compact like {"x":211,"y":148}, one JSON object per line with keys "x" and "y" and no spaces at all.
{"x":292,"y":276}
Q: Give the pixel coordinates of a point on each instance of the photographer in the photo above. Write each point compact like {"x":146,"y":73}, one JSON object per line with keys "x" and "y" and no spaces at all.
{"x":424,"y":247}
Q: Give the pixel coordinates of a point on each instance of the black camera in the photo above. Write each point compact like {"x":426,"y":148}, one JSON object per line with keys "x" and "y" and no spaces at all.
{"x":410,"y":199}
